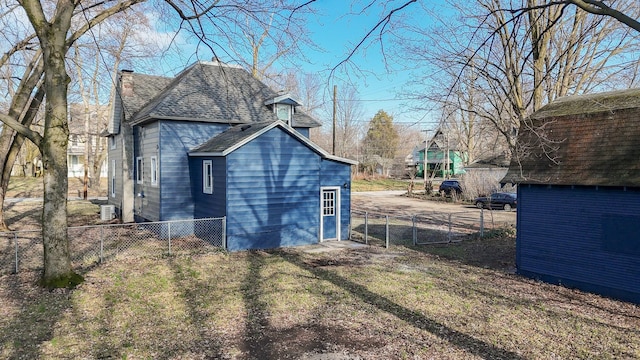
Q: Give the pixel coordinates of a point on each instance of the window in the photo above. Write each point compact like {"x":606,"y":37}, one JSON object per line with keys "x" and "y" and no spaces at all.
{"x":283,"y":111}
{"x":328,"y":203}
{"x":207,"y":177}
{"x":113,"y":178}
{"x":139,"y":170}
{"x":112,"y":142}
{"x":154,"y":170}
{"x":73,"y":159}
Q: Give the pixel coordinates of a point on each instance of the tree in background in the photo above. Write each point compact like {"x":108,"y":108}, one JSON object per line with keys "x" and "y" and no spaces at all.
{"x":496,"y":68}
{"x":41,"y":49}
{"x":380,"y":143}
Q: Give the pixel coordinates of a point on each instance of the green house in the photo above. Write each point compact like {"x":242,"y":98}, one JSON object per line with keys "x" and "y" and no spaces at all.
{"x":444,"y":159}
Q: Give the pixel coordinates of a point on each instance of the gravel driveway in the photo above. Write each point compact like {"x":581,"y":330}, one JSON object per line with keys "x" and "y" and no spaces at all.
{"x":395,"y":204}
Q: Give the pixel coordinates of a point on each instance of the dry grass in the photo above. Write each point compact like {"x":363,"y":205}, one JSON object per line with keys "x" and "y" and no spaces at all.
{"x":422,"y":303}
{"x":32,"y":187}
{"x":431,"y":302}
{"x":378,"y":184}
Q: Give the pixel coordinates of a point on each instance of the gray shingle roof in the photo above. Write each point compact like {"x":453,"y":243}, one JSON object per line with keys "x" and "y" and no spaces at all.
{"x":238,"y":135}
{"x":582,"y":140}
{"x":231,"y":137}
{"x":207,"y":92}
{"x":145,"y":87}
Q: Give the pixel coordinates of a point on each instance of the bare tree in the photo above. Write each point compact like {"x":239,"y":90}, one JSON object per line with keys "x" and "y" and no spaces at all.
{"x":499,"y":68}
{"x":53,"y":30}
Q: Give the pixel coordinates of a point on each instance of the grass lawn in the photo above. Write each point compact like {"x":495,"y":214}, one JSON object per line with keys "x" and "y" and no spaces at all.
{"x":32,"y":187}
{"x":452,"y":301}
{"x":433,"y":302}
{"x":378,"y":184}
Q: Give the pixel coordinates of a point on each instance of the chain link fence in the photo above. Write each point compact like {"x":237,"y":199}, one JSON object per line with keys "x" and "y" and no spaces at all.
{"x":384,"y":230}
{"x":90,"y":245}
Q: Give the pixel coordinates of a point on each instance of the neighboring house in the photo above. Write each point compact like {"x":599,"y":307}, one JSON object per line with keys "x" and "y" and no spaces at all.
{"x":483,"y":176}
{"x":444,"y":159}
{"x":84,"y":123}
{"x":577,"y":168}
{"x":213,"y":142}
{"x":29,"y":162}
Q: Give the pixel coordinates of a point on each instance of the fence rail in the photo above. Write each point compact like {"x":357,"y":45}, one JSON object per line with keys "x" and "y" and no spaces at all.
{"x":89,"y":245}
{"x":380,"y":229}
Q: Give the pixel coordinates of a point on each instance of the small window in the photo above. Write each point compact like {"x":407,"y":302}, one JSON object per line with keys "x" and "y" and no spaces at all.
{"x":328,"y":203}
{"x":207,"y":177}
{"x":113,"y":178}
{"x":154,"y":170}
{"x":283,"y":111}
{"x":112,"y":142}
{"x":139,"y":170}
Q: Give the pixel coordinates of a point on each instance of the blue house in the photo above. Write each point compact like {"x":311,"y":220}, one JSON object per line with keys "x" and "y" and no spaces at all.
{"x":213,"y":142}
{"x":577,"y":166}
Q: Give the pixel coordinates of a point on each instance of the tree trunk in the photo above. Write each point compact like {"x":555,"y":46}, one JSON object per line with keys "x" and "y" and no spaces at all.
{"x":57,"y":257}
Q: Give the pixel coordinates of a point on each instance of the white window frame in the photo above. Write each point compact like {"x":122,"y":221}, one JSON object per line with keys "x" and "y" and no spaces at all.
{"x":207,"y":176}
{"x":286,"y":107}
{"x":139,"y":170}
{"x":113,"y":142}
{"x":154,"y":171}
{"x":113,"y":178}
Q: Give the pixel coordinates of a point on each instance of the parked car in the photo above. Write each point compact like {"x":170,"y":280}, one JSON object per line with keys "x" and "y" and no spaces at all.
{"x":449,"y":186}
{"x":500,"y":200}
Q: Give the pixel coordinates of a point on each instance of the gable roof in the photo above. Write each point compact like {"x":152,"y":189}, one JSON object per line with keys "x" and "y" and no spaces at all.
{"x":493,"y":162}
{"x":206,"y":92}
{"x":239,"y":135}
{"x":591,"y":140}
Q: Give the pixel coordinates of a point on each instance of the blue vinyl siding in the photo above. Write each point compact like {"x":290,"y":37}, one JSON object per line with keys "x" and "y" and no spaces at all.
{"x":573,"y":236}
{"x":209,"y":205}
{"x":146,"y":146}
{"x":176,"y":139}
{"x":334,"y":173}
{"x":272,"y":193}
{"x":303,"y":131}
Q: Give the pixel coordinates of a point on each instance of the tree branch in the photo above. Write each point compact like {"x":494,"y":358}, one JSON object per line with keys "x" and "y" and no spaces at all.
{"x":383,"y":22}
{"x":21,"y":129}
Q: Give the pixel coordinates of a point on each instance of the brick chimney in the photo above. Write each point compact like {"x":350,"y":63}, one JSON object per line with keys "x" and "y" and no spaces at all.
{"x":126,"y":83}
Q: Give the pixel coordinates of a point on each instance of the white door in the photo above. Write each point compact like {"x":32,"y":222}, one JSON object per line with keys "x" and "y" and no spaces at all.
{"x":329,"y":213}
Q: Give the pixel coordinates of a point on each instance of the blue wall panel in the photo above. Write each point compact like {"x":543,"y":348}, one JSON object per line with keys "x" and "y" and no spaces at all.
{"x":566,"y":235}
{"x":303,"y":131}
{"x":335,"y":173}
{"x":272,"y":193}
{"x":176,"y":139}
{"x":208,"y":205}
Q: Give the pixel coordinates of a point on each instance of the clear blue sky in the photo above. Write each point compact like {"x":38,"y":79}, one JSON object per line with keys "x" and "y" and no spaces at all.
{"x":338,"y":29}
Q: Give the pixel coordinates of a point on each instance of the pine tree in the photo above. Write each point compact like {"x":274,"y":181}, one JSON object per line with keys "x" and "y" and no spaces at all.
{"x":381,"y":141}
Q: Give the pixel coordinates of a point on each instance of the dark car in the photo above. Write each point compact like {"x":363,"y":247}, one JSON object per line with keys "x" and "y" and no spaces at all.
{"x":506,"y":201}
{"x":449,"y":186}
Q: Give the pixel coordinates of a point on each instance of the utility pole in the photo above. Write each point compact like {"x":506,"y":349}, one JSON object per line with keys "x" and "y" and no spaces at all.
{"x":335,"y":115}
{"x":424,"y":166}
{"x":426,"y":147}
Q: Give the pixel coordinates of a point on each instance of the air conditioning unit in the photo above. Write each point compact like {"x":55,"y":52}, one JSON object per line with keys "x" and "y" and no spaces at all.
{"x":107,"y":212}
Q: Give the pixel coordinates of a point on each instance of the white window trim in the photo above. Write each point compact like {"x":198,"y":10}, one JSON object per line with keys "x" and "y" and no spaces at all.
{"x":154,"y":171}
{"x":113,"y":178}
{"x":139,"y":170}
{"x":113,"y":142}
{"x":207,"y":174}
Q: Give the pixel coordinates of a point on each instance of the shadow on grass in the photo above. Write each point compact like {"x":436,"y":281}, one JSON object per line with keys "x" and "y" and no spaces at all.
{"x":211,"y":347}
{"x":39,"y":311}
{"x":33,"y":212}
{"x":257,"y":341}
{"x":490,"y":253}
{"x":416,"y":319}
